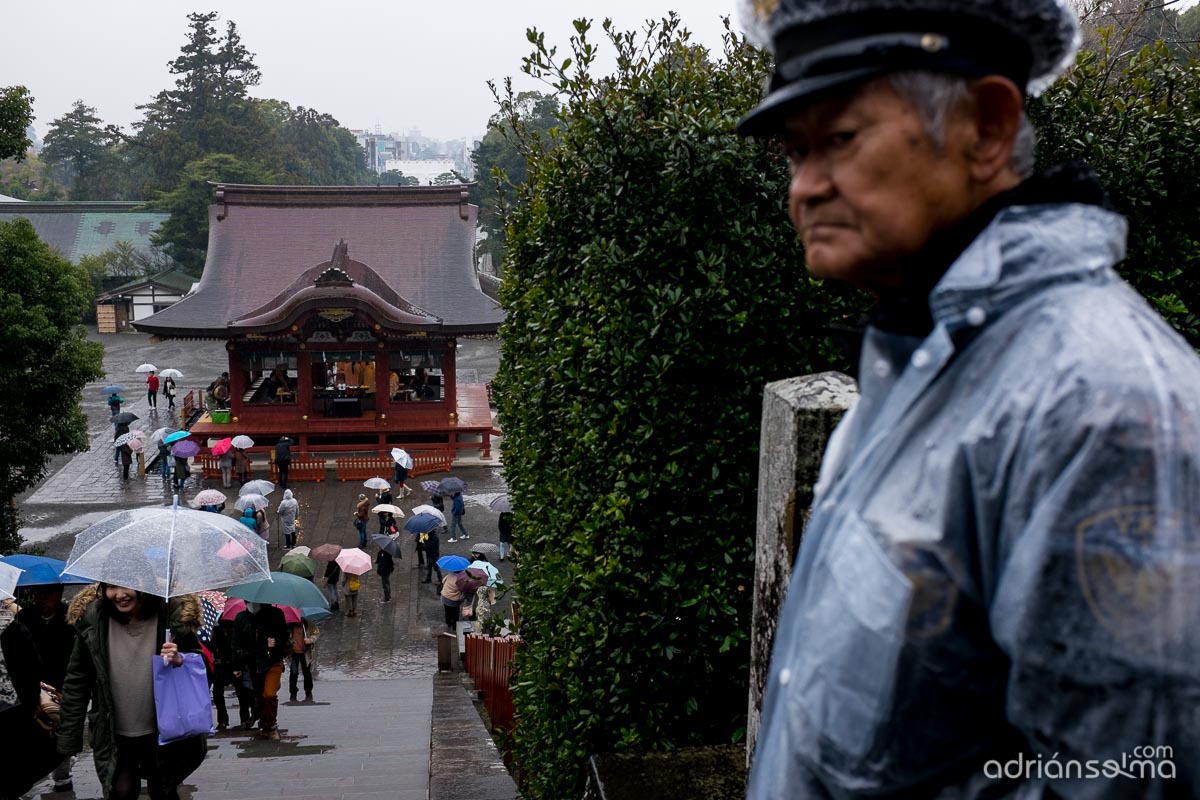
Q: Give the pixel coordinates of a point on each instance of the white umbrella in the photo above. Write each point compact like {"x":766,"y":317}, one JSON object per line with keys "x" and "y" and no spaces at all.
{"x":170,"y":373}
{"x":160,"y":434}
{"x":376,"y":483}
{"x":9,"y":575}
{"x":431,"y":510}
{"x":301,"y":550}
{"x":127,"y":438}
{"x":387,"y":508}
{"x":402,"y":458}
{"x":146,"y":368}
{"x":243,"y":441}
{"x":255,"y":501}
{"x":257,"y":487}
{"x":169,"y":551}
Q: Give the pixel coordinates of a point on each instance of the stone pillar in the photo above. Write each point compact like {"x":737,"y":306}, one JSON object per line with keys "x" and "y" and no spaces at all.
{"x":799,"y":414}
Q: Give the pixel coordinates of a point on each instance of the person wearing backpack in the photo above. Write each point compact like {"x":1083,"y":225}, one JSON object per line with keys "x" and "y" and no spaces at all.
{"x":385,"y":566}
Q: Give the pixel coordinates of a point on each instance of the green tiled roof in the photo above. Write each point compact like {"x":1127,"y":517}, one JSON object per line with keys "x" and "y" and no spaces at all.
{"x":81,"y":229}
{"x":100,"y":231}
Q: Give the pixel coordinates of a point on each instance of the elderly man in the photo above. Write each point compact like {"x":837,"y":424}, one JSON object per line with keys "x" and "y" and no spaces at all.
{"x":998,"y":594}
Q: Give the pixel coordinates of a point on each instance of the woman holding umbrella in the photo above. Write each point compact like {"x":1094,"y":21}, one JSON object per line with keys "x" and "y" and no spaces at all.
{"x":241,"y":463}
{"x":169,"y":392}
{"x":119,"y":631}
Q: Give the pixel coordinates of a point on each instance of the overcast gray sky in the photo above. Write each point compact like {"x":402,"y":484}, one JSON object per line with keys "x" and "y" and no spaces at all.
{"x":396,"y":63}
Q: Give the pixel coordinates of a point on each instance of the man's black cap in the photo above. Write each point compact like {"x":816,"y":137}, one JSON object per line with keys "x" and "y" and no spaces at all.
{"x":824,"y":45}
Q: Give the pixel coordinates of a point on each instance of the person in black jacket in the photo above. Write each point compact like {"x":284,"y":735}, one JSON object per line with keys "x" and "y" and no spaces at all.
{"x":28,"y":751}
{"x":333,"y":577}
{"x":283,"y":459}
{"x":53,"y":639}
{"x":385,"y":566}
{"x":261,"y":641}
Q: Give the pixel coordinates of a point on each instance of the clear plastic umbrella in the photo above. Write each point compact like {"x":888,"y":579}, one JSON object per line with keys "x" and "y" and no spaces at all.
{"x":9,"y":575}
{"x":170,"y":373}
{"x":256,"y":487}
{"x":208,"y":497}
{"x":162,"y":433}
{"x":402,"y":458}
{"x":376,"y":483}
{"x":255,"y":501}
{"x":146,"y":368}
{"x":431,"y":510}
{"x":168,"y":551}
{"x":243,"y":441}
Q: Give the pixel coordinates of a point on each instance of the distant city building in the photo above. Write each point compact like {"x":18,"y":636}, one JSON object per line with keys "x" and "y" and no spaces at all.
{"x":407,"y":151}
{"x":424,"y":170}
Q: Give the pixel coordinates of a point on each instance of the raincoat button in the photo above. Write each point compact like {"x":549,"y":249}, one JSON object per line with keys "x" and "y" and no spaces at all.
{"x":785,"y":677}
{"x":920,"y":359}
{"x":882,"y":368}
{"x":976,"y":316}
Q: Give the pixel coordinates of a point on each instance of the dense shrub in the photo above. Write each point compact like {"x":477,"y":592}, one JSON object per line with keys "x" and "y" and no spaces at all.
{"x":1135,"y":118}
{"x":654,"y":285}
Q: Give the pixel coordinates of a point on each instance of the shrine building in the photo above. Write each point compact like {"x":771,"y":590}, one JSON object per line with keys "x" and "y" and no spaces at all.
{"x":340,"y":309}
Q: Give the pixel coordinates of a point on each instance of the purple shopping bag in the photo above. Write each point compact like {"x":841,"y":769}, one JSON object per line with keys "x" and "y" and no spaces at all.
{"x":181,"y":699}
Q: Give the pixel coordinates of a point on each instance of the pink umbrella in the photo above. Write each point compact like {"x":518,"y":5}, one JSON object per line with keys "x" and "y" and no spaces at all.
{"x":353,"y":561}
{"x":232,"y":549}
{"x":222,"y":447}
{"x":236,"y":605}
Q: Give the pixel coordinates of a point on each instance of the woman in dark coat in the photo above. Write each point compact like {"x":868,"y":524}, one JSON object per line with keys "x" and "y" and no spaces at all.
{"x":28,"y":752}
{"x":117,"y":628}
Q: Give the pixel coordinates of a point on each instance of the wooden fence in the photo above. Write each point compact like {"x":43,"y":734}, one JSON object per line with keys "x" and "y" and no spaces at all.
{"x":489,"y":663}
{"x":304,"y":467}
{"x":363,"y":467}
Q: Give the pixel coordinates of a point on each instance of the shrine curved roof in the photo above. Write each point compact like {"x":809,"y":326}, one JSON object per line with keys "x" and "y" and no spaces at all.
{"x":409,"y":255}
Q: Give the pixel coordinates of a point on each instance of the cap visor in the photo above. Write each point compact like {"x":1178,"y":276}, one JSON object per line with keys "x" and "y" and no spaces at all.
{"x":768,"y":118}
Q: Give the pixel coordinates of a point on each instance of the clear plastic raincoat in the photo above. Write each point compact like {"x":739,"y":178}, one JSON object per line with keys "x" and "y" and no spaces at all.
{"x":999,"y":587}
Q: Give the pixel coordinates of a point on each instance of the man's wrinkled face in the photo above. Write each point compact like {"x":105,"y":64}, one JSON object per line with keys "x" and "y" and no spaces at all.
{"x":869,"y":187}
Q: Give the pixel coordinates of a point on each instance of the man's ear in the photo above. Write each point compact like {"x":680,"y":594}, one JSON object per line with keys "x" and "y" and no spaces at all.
{"x":996,"y":114}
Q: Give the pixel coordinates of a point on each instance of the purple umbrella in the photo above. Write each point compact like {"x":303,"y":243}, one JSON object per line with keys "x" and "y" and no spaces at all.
{"x":185,"y":449}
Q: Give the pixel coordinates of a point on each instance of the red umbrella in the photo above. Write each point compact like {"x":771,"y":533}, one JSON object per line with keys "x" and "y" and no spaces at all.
{"x":222,"y":447}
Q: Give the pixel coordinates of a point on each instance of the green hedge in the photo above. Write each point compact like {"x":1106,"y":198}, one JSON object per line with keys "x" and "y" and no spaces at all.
{"x":1135,"y":118}
{"x":653,"y":286}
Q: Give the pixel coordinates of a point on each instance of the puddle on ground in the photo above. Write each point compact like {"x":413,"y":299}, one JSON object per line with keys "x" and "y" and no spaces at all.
{"x":286,"y":746}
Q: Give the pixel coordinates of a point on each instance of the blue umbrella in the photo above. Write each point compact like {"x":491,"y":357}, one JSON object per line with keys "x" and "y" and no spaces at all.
{"x":40,"y":570}
{"x":112,"y":389}
{"x":282,"y":589}
{"x":315,"y":613}
{"x":422,"y":523}
{"x":171,"y":438}
{"x":185,"y":449}
{"x":453,"y":563}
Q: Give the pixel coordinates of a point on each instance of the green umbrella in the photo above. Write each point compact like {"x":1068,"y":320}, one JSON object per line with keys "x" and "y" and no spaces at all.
{"x":298,"y":564}
{"x":284,"y":589}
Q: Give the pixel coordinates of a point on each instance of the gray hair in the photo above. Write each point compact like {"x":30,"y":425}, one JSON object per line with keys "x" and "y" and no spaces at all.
{"x":935,"y":93}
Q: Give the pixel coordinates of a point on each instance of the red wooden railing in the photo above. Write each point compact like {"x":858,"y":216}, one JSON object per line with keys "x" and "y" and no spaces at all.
{"x":489,"y":663}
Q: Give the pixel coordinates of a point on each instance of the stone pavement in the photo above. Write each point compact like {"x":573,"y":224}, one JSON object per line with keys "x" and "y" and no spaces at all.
{"x":369,"y":733}
{"x":366,"y":740}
